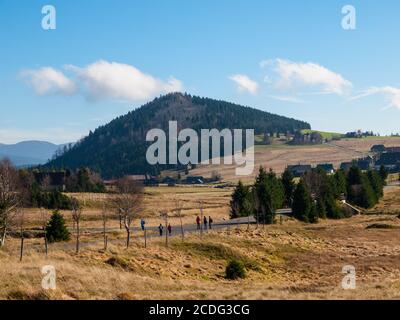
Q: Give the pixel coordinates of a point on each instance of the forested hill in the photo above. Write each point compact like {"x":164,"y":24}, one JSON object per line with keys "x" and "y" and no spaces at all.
{"x":119,"y":147}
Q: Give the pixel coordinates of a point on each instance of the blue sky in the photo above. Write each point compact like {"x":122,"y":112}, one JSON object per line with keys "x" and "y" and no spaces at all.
{"x":108,"y":57}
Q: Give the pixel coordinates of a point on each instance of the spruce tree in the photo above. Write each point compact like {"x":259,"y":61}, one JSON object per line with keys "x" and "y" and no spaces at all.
{"x":288,"y":186}
{"x":313,"y":215}
{"x":367,"y":197}
{"x":321,"y":209}
{"x":56,"y":229}
{"x":240,"y":201}
{"x":301,"y":202}
{"x":383,"y":173}
{"x":341,"y":183}
{"x":270,"y":195}
{"x":376,"y":182}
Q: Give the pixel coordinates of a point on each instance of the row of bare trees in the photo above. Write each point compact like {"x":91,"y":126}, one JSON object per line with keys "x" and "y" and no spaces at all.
{"x":127,"y":202}
{"x":10,"y":198}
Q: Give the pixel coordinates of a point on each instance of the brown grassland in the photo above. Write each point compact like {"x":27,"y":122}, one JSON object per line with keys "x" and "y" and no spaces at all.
{"x":288,"y":261}
{"x":277,"y":156}
{"x":292,"y":260}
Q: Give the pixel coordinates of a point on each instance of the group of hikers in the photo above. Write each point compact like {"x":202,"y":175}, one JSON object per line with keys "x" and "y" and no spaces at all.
{"x":206,"y":222}
{"x":161,"y":229}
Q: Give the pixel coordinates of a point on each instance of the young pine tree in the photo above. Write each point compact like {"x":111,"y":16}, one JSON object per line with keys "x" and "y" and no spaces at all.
{"x":383,"y":173}
{"x":367,"y":197}
{"x":56,"y":229}
{"x":313,"y":215}
{"x":270,"y":195}
{"x":288,"y":186}
{"x":377,"y":183}
{"x":302,"y":203}
{"x":240,"y":201}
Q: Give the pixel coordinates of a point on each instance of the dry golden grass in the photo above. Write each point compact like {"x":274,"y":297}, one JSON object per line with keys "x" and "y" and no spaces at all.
{"x":289,"y":261}
{"x":278,"y":157}
{"x":215,"y":203}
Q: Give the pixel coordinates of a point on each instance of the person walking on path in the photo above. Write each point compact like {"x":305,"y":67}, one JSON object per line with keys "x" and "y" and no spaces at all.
{"x":210,"y":222}
{"x":169,"y":229}
{"x":198,"y":222}
{"x":205,"y":223}
{"x":142,"y":224}
{"x":161,"y":228}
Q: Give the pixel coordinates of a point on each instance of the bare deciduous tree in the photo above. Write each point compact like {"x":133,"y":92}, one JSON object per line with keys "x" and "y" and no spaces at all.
{"x":128,"y":202}
{"x":44,"y":218}
{"x":76,"y":217}
{"x":10,"y":197}
{"x":179,"y":212}
{"x":201,"y":219}
{"x":21,"y":218}
{"x":46,"y":183}
{"x":104,"y":217}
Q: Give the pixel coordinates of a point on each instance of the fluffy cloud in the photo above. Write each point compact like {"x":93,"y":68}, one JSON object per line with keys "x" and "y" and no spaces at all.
{"x":287,"y":99}
{"x":119,"y":81}
{"x":392,"y":95}
{"x":45,"y":81}
{"x":292,"y":74}
{"x":244,"y":83}
{"x":102,"y":80}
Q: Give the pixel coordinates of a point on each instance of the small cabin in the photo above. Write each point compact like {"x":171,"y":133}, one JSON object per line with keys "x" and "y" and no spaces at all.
{"x":195,"y":180}
{"x":327,"y":167}
{"x":300,"y":169}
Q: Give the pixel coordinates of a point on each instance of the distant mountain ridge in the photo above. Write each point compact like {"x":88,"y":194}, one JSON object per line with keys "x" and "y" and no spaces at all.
{"x":119,"y":147}
{"x":27,"y":153}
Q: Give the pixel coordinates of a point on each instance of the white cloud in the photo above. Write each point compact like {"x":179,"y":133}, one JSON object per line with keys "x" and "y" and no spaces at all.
{"x":119,"y":81}
{"x":244,"y":83}
{"x":392,"y":95}
{"x":47,"y":81}
{"x":287,"y":99}
{"x":291,"y":74}
{"x":101,"y":80}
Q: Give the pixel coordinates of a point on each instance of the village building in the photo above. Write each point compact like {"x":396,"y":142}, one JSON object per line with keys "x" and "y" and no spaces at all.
{"x":390,"y":160}
{"x":345,"y":166}
{"x":327,"y":167}
{"x":299,"y":170}
{"x":393,"y":149}
{"x":195,"y":180}
{"x":169,"y":181}
{"x":378,"y":148}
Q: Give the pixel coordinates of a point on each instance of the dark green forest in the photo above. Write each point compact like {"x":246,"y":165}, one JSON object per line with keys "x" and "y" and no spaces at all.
{"x":119,"y":147}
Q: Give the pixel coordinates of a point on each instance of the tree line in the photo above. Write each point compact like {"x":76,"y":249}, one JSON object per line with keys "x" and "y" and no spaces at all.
{"x":316,"y":196}
{"x":17,"y":193}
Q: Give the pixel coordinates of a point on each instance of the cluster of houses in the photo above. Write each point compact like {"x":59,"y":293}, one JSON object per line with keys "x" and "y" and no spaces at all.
{"x":389,"y":157}
{"x":300,"y":169}
{"x":156,"y":181}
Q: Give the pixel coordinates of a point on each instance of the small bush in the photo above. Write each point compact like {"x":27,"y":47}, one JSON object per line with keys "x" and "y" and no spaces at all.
{"x":118,"y":262}
{"x":235,"y":270}
{"x":56,"y":229}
